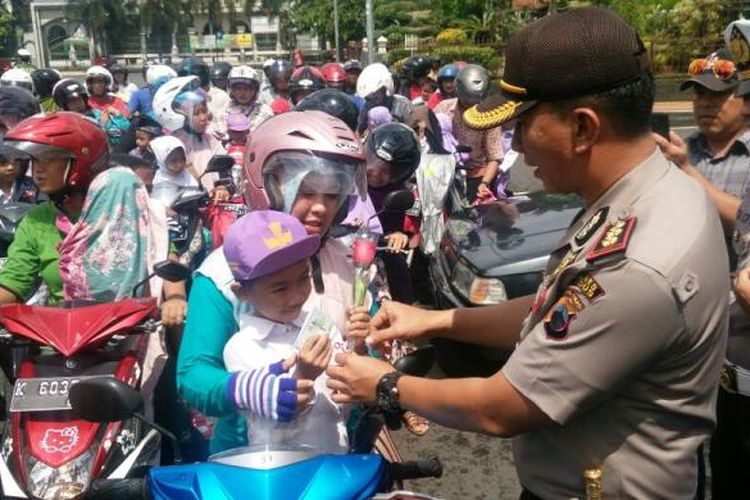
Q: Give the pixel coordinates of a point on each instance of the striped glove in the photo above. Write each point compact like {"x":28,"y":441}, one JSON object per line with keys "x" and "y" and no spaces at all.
{"x":265,"y":392}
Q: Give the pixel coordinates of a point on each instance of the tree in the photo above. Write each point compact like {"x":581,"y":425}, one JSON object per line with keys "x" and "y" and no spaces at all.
{"x":6,"y":27}
{"x":102,"y":18}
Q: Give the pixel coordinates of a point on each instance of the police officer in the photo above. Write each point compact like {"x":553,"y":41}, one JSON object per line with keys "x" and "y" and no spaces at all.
{"x":617,"y":357}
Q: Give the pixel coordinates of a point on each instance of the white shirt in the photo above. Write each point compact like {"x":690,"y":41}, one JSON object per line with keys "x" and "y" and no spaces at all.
{"x":261,"y":342}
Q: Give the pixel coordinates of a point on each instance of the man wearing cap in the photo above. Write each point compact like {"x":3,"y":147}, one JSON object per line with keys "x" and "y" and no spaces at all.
{"x":730,"y":452}
{"x":612,"y":384}
{"x":720,"y":150}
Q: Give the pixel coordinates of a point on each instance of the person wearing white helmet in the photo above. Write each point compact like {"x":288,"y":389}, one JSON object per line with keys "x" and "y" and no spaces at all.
{"x":99,"y":82}
{"x":156,"y":75}
{"x":375,"y":86}
{"x":16,"y":77}
{"x":181,"y":106}
{"x":24,"y":60}
{"x":243,"y":87}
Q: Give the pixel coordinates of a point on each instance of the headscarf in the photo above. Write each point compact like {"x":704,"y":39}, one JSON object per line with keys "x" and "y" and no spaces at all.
{"x":162,"y":147}
{"x":433,"y":130}
{"x":115,"y":242}
{"x":449,"y":140}
{"x":378,"y":116}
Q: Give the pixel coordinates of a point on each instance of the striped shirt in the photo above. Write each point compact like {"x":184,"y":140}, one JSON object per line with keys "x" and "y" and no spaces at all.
{"x":731,"y":172}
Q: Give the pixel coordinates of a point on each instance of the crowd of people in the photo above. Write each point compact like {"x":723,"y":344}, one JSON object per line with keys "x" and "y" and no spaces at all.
{"x":613,"y":380}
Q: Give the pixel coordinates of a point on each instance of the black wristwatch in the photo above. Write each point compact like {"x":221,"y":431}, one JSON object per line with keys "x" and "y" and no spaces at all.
{"x":387,"y":391}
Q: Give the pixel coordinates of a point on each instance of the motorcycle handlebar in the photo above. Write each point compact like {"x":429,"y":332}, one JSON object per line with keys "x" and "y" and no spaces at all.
{"x":416,"y":469}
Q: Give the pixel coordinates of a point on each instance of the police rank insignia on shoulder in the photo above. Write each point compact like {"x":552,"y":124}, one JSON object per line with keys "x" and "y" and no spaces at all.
{"x":588,"y":229}
{"x":558,"y":319}
{"x":614,"y":239}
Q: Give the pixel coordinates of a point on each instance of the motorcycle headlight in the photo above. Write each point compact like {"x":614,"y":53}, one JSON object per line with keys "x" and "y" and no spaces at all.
{"x":476,"y":289}
{"x":67,"y":482}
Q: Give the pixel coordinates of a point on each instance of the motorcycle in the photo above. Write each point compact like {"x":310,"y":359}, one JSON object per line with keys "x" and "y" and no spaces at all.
{"x":10,"y":216}
{"x":283,"y":472}
{"x":48,"y":450}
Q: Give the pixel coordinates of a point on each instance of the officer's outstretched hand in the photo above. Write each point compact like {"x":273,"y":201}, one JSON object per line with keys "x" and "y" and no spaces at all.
{"x":354,"y":378}
{"x":398,"y":321}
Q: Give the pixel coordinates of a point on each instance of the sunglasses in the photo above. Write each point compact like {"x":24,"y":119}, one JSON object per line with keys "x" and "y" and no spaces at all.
{"x":722,"y":68}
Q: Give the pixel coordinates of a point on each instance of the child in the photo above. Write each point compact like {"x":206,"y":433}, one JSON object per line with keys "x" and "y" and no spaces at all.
{"x":238,"y":128}
{"x":171,"y":162}
{"x":273,"y":275}
{"x":146,"y":129}
{"x":14,"y":185}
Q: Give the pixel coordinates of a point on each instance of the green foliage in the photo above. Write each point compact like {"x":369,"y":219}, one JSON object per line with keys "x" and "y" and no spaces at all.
{"x":484,"y":56}
{"x":451,"y":36}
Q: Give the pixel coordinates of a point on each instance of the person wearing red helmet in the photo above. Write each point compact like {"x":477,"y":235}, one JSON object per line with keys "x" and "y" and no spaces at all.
{"x":66,"y":151}
{"x":305,"y":81}
{"x":302,"y":163}
{"x":336,"y":78}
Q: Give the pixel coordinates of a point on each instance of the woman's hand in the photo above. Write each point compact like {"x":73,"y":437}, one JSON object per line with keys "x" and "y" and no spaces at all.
{"x":314,"y":356}
{"x":484,"y":192}
{"x":358,"y":326}
{"x":397,"y":241}
{"x":173,"y":311}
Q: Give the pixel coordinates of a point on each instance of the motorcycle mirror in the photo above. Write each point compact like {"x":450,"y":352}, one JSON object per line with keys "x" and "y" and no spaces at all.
{"x":171,"y":271}
{"x":104,"y":399}
{"x":417,"y":363}
{"x":219,"y":164}
{"x":188,"y":201}
{"x":398,"y":201}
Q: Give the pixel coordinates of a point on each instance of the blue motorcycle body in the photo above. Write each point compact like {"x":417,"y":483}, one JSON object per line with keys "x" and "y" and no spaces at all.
{"x":328,"y":477}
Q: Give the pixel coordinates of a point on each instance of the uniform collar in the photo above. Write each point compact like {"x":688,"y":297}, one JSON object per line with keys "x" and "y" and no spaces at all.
{"x":623,"y":193}
{"x":260,"y":328}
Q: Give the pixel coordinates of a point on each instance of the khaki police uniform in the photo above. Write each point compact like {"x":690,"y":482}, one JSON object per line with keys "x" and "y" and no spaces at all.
{"x":625,"y":342}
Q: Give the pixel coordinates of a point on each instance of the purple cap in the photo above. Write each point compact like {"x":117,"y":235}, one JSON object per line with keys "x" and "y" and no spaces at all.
{"x":264,"y":242}
{"x":238,"y":122}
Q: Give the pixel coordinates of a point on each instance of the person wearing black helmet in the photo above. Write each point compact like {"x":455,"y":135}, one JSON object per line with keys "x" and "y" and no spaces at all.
{"x":44,"y":81}
{"x":304,"y":81}
{"x":279,"y":73}
{"x":145,"y":129}
{"x":393,"y":155}
{"x":472,"y":86}
{"x":415,"y":70}
{"x":16,"y":104}
{"x":332,"y":102}
{"x":353,"y":68}
{"x":121,"y":87}
{"x":218,"y":99}
{"x":220,"y":75}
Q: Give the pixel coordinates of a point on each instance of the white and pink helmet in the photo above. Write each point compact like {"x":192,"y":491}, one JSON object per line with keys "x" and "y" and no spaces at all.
{"x":293,"y":147}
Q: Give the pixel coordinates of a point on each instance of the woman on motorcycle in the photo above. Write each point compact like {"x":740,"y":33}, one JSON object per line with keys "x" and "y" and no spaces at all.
{"x":66,"y":151}
{"x":244,"y":86}
{"x":181,"y":107}
{"x":302,"y":163}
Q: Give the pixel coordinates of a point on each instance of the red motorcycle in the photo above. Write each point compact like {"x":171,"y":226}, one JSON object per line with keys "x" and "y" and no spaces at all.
{"x":48,"y":451}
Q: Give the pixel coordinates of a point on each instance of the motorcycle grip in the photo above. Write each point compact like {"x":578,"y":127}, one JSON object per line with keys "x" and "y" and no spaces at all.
{"x":117,"y":489}
{"x":415,"y":469}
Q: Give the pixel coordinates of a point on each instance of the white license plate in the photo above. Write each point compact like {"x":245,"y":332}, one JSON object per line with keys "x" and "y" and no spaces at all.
{"x":43,"y":394}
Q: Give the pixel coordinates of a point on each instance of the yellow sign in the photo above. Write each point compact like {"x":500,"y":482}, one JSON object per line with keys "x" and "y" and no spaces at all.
{"x":242,"y":41}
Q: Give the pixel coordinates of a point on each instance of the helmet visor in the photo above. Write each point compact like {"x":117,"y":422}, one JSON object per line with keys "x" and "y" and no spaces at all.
{"x":26,"y":150}
{"x":297,"y":172}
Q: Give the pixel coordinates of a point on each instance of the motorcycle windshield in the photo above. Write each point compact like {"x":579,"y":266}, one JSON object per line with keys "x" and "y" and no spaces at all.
{"x":70,"y":329}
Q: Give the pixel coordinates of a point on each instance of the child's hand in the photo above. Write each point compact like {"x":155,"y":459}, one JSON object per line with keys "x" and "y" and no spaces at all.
{"x":358,"y":326}
{"x":314,"y":357}
{"x":304,"y":394}
{"x":396,"y":241}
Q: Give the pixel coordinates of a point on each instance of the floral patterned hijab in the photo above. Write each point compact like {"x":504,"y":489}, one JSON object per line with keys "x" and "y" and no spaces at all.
{"x":115,"y":242}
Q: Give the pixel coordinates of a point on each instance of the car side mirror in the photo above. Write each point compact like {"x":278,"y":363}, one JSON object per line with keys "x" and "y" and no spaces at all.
{"x":104,"y":399}
{"x":417,"y":363}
